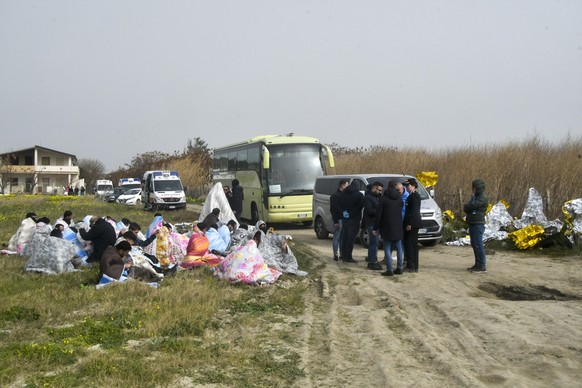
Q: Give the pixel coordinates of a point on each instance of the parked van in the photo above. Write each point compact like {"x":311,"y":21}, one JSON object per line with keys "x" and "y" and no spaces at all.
{"x":432,"y":221}
{"x":103,"y":187}
{"x":162,"y":190}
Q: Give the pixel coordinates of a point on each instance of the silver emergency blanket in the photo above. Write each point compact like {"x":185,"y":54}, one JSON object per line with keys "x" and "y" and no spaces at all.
{"x":496,"y":220}
{"x":276,"y":251}
{"x":22,"y":236}
{"x":533,"y":213}
{"x":574,"y":210}
{"x":50,"y":255}
{"x":217,"y":199}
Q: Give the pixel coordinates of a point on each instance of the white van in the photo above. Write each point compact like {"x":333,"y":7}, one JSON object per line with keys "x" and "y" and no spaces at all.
{"x":129,"y":183}
{"x":103,"y":187}
{"x":432,"y":220}
{"x":162,"y":190}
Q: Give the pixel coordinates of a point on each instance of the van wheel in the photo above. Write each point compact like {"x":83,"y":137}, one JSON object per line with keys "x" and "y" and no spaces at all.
{"x":364,"y":238}
{"x":319,"y":228}
{"x":254,"y":214}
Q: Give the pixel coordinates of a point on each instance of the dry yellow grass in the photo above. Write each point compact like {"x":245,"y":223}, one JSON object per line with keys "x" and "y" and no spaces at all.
{"x":509,"y":170}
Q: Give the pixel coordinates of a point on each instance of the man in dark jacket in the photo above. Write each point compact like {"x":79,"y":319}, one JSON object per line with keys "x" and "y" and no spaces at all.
{"x":236,"y":202}
{"x":336,"y":214}
{"x":371,"y":204}
{"x":475,"y":210}
{"x":412,"y":222}
{"x":113,"y":262}
{"x":101,"y":234}
{"x":351,"y":204}
{"x":388,"y":224}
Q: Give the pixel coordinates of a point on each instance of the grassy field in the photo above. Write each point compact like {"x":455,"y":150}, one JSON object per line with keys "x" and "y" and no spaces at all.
{"x":59,"y":331}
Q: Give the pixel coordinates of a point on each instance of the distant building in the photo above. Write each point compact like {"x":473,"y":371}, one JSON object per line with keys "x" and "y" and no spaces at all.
{"x":38,"y":170}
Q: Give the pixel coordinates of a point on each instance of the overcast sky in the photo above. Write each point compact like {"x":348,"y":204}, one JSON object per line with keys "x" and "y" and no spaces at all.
{"x":109,"y":80}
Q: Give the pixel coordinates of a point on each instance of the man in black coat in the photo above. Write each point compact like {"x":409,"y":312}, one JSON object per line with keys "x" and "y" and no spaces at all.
{"x":412,"y":222}
{"x":336,"y":215}
{"x":236,"y":201}
{"x":101,"y":234}
{"x":388,"y":224}
{"x":371,"y":204}
{"x":351,"y":203}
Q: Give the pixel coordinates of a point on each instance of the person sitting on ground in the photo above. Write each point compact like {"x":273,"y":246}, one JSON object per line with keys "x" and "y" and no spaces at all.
{"x":113,"y":261}
{"x":197,"y":251}
{"x":101,"y":234}
{"x":212,"y":217}
{"x":67,"y":219}
{"x":135,"y":228}
{"x":22,"y":236}
{"x":58,"y":229}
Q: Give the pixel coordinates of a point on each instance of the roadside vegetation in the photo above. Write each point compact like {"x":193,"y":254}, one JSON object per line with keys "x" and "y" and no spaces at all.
{"x":509,"y":170}
{"x":58,"y":331}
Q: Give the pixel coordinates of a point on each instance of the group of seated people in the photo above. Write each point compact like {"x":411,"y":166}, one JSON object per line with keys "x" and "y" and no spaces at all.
{"x":234,"y":252}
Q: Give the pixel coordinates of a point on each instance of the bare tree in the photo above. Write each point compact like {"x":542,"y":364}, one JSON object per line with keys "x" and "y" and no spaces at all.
{"x":91,"y":170}
{"x":5,"y":172}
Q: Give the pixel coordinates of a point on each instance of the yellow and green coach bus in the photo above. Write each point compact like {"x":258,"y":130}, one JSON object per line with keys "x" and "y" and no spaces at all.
{"x":277,"y":174}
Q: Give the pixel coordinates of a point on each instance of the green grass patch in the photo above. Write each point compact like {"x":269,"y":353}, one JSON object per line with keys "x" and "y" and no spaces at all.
{"x":58,"y":331}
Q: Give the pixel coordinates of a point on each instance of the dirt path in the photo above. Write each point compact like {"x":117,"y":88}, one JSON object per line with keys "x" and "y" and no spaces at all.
{"x":443,"y":326}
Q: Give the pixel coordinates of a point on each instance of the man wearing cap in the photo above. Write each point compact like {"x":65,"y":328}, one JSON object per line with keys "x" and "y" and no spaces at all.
{"x":412,"y":222}
{"x":475,"y":210}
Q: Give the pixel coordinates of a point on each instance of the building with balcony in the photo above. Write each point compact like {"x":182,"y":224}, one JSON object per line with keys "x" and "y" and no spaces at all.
{"x":38,"y":170}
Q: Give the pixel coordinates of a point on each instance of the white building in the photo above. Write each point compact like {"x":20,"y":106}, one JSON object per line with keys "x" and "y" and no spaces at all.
{"x":38,"y":170}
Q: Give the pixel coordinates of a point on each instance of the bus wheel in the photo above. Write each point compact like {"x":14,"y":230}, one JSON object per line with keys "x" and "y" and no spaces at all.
{"x":319,"y":228}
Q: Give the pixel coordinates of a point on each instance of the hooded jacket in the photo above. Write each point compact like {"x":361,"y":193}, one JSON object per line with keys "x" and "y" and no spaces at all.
{"x":351,"y":202}
{"x":371,"y":204}
{"x":477,"y":206}
{"x":389,"y":216}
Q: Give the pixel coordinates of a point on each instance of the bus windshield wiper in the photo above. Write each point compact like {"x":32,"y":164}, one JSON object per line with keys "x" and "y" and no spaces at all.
{"x":297,"y":191}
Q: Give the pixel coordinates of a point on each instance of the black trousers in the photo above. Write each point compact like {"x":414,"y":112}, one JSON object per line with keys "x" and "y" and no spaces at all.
{"x":350,"y":229}
{"x":411,"y":249}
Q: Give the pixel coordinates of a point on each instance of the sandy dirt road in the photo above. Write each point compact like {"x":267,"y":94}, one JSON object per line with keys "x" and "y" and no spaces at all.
{"x":443,"y":326}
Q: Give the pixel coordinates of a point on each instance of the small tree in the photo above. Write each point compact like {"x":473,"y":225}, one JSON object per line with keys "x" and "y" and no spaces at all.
{"x":91,"y":170}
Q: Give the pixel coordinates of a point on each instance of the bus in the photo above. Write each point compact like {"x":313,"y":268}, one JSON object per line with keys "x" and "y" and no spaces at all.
{"x":277,"y":174}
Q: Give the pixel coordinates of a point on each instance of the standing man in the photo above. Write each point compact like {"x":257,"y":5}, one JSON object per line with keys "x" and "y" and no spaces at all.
{"x":475,"y":210}
{"x":412,"y":222}
{"x":336,"y":214}
{"x":371,"y":204}
{"x":237,"y":198}
{"x":351,"y":203}
{"x":388,"y":224}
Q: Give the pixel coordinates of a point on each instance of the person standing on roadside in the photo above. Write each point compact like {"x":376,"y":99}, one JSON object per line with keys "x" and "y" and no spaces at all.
{"x":371,"y":204}
{"x":351,"y":204}
{"x":412,"y":222}
{"x":336,"y":214}
{"x":237,"y":198}
{"x":475,"y":210}
{"x":388,"y":224}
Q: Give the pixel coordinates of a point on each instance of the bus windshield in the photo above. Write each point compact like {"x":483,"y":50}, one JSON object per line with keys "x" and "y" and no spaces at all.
{"x":167,"y":185}
{"x":294,"y":168}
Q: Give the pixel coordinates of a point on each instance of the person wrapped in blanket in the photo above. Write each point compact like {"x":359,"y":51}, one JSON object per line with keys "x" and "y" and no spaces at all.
{"x":198,"y":253}
{"x":47,"y":254}
{"x":246,"y":265}
{"x":143,"y":268}
{"x":22,"y":236}
{"x":169,"y":247}
{"x":275,"y":250}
